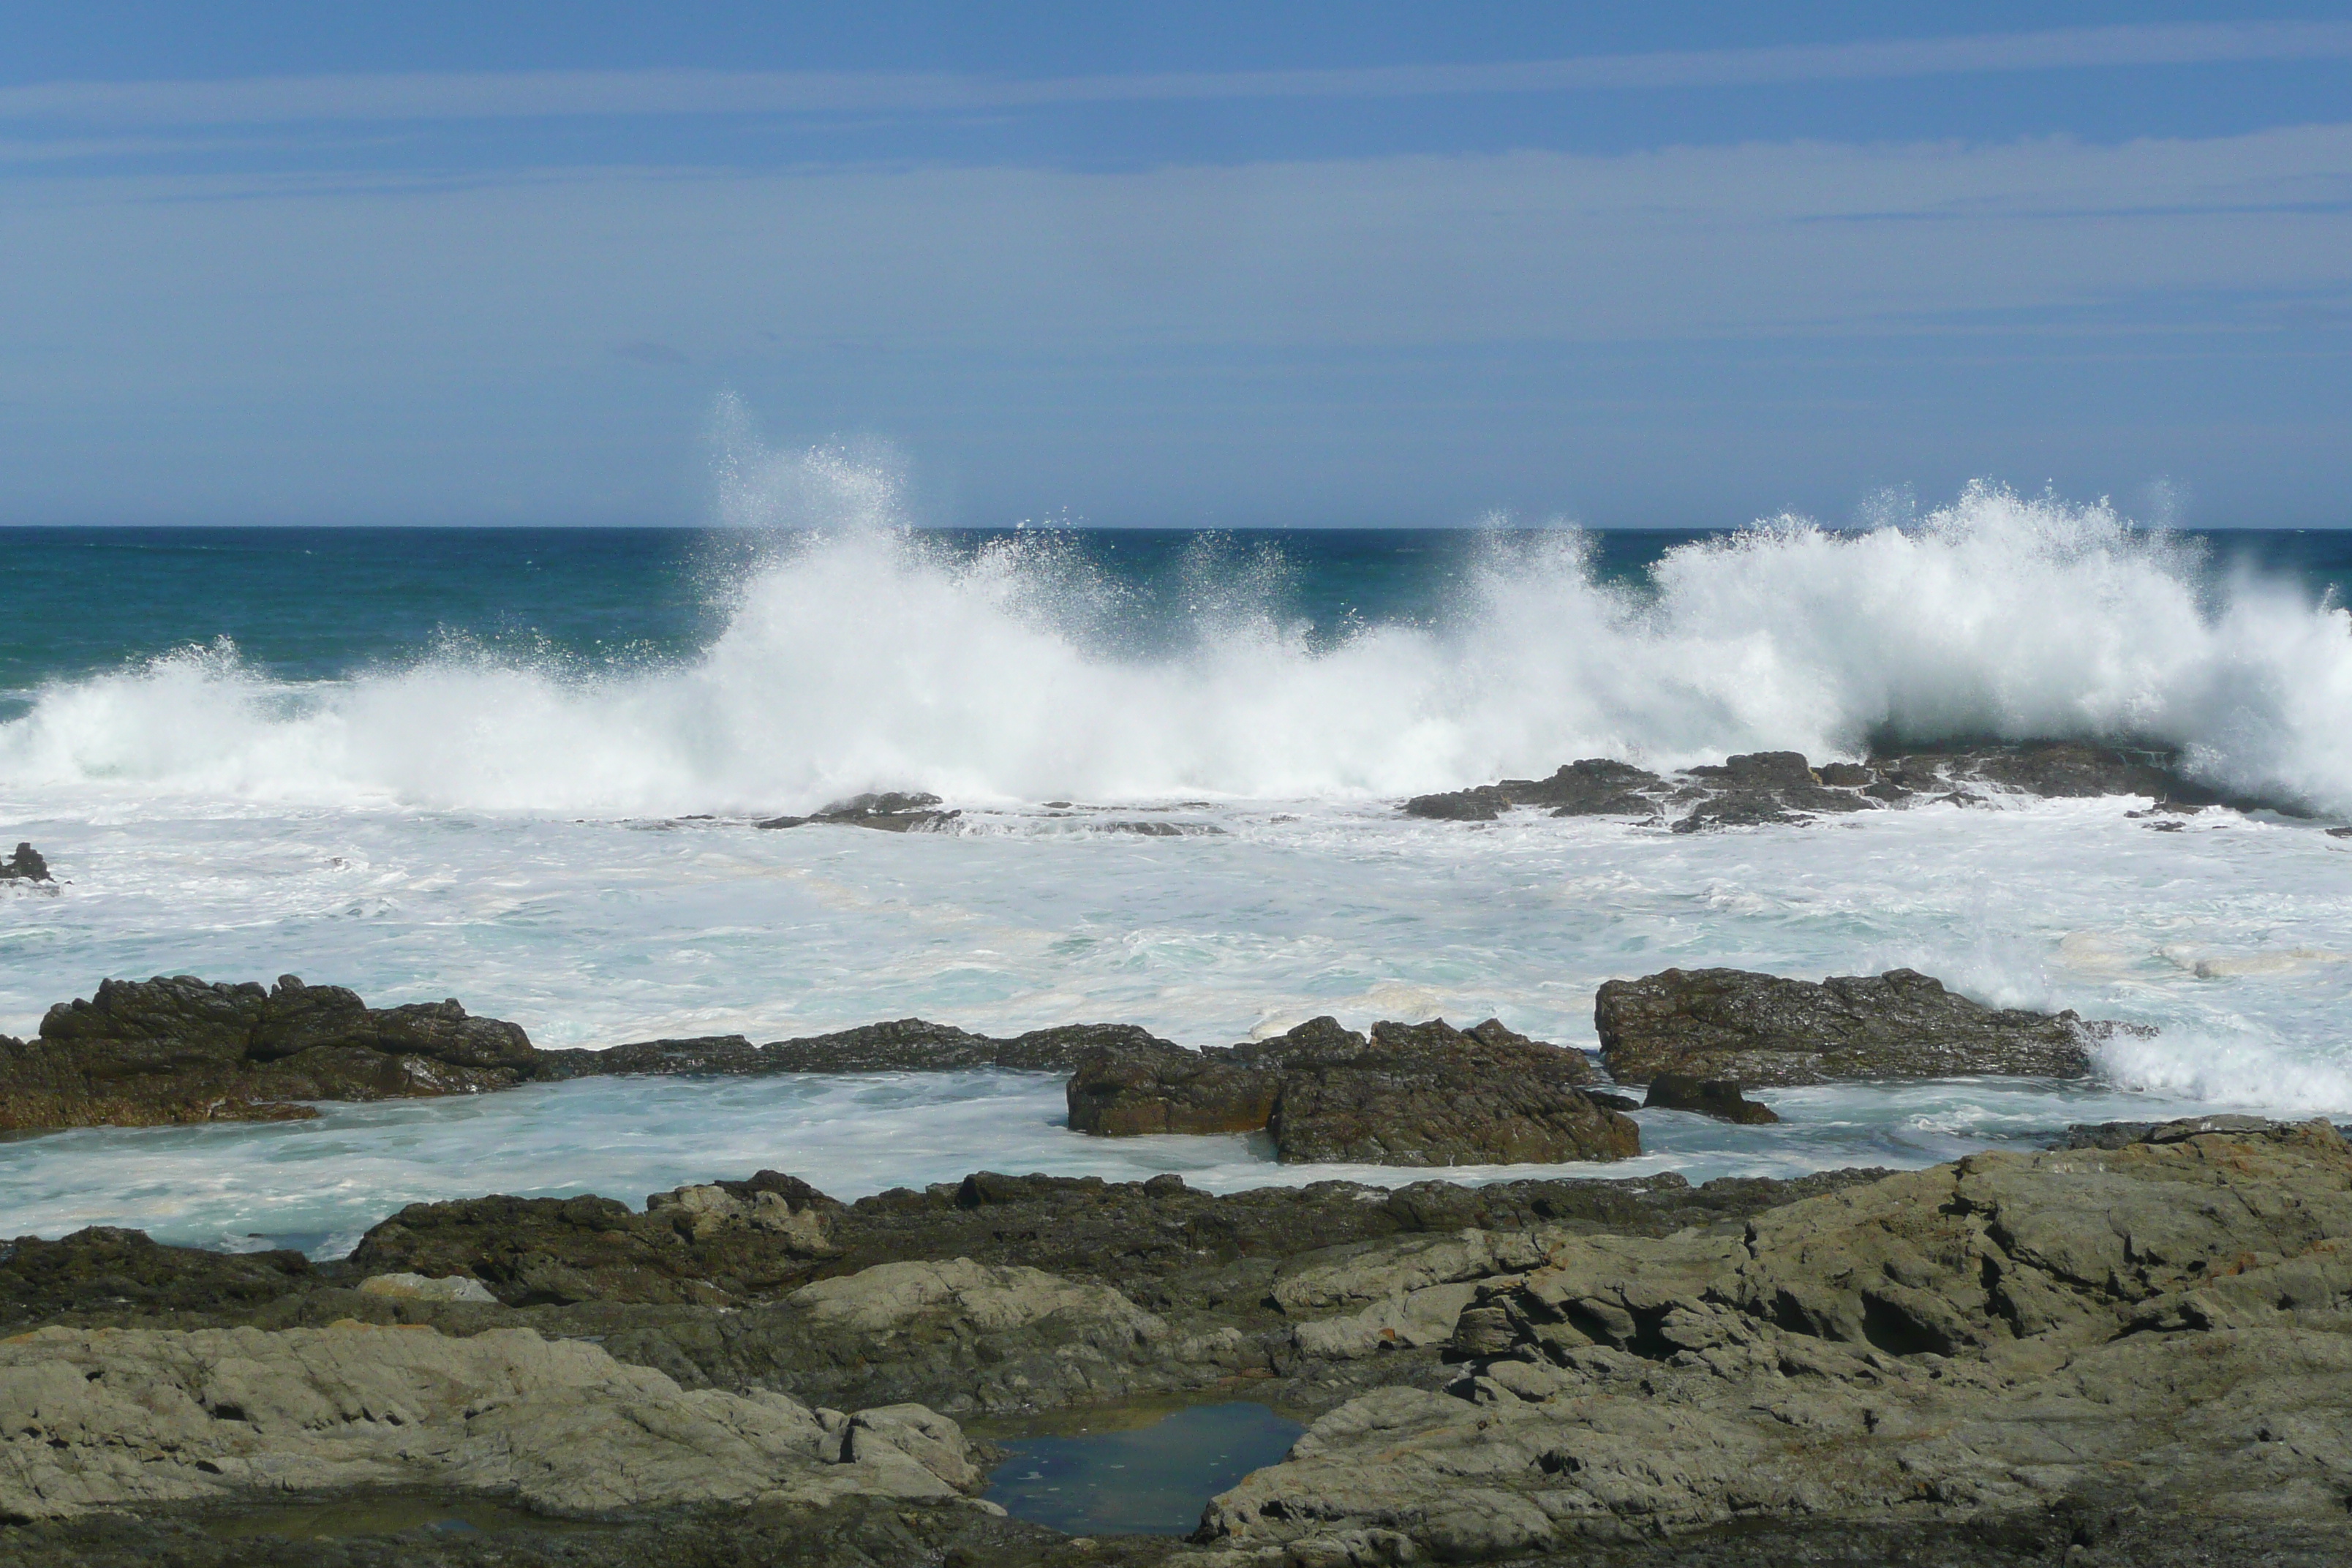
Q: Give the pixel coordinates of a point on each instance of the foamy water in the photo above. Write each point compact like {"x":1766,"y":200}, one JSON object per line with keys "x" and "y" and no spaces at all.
{"x":508,"y":833}
{"x":867,"y":660}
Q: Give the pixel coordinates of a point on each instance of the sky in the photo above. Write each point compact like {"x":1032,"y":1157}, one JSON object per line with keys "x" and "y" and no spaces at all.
{"x":1674,"y":265}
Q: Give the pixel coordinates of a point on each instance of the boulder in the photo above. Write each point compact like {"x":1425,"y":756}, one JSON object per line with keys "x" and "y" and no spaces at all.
{"x":1405,"y":1094}
{"x":97,"y":1420}
{"x":179,"y":1050}
{"x":1717,"y":1097}
{"x":1709,"y":1024}
{"x":24,"y":865}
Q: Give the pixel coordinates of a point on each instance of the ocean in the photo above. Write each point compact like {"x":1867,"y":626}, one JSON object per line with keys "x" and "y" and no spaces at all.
{"x":520,"y":767}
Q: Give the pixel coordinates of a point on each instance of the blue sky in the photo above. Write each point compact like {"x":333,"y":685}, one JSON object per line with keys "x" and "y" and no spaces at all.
{"x":1174,"y":265}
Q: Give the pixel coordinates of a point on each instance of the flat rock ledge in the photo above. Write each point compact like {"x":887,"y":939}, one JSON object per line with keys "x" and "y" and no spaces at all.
{"x":1765,"y":788}
{"x":113,"y":1418}
{"x":174,"y":1049}
{"x":1403,"y":1094}
{"x":1763,"y":1029}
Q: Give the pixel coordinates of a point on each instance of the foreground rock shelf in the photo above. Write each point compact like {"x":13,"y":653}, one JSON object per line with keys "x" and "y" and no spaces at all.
{"x":2134,"y":1347}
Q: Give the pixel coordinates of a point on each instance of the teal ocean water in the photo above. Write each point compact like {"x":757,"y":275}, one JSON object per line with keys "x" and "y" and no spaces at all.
{"x":521,"y":768}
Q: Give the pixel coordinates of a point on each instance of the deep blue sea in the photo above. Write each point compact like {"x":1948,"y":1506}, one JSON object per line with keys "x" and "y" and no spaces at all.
{"x":522,"y":768}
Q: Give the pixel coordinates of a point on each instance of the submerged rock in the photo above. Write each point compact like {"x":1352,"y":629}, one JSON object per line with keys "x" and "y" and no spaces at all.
{"x":24,"y":865}
{"x":180,"y":1050}
{"x":891,"y":811}
{"x":1764,"y":1029}
{"x":1717,"y":1097}
{"x":1405,"y":1094}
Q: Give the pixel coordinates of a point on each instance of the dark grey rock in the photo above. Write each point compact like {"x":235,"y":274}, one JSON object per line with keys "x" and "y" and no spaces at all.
{"x":1764,"y":1029}
{"x":1717,"y":1097}
{"x":180,"y":1050}
{"x":891,"y":811}
{"x":1405,"y":1094}
{"x":24,"y":865}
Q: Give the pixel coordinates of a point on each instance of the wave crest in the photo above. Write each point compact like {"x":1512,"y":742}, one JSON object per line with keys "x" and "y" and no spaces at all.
{"x":870,"y":658}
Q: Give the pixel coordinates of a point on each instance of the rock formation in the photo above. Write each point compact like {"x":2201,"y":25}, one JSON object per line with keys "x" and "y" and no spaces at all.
{"x":178,"y":1049}
{"x":1405,"y":1094}
{"x":1763,"y":788}
{"x":1763,"y":1029}
{"x":902,"y":1045}
{"x":100,"y":1419}
{"x":892,"y":812}
{"x":2159,"y":1327}
{"x":1711,"y":1097}
{"x":2136,"y":1348}
{"x":24,"y":865}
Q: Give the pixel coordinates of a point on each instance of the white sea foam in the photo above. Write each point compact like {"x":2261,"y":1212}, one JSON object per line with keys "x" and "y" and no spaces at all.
{"x":866,"y":657}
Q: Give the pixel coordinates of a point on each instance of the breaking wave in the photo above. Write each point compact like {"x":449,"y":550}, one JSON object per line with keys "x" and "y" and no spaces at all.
{"x":868,"y":655}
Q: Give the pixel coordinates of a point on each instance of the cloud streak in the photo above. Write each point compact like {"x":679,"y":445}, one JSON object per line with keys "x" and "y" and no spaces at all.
{"x":559,"y":94}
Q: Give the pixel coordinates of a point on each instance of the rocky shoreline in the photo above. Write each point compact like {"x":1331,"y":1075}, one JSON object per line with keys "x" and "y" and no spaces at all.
{"x":2133,"y":1347}
{"x":178,"y":1049}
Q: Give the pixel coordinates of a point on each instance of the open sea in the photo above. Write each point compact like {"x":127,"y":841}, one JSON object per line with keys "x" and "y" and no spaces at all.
{"x":520,"y":768}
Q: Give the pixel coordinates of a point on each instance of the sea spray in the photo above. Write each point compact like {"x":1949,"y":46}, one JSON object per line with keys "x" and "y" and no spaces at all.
{"x":871,"y":656}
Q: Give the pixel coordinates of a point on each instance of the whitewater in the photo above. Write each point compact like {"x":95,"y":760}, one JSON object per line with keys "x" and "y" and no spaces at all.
{"x":568,"y":841}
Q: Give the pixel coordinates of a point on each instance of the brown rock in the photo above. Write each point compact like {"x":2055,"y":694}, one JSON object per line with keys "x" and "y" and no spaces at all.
{"x":178,"y":1049}
{"x":1763,"y":1029}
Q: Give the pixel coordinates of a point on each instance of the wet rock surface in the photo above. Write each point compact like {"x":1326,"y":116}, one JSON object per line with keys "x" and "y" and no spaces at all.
{"x":1717,"y":1097}
{"x":891,"y":811}
{"x":1779,"y":788}
{"x":902,"y":1045}
{"x":179,"y":1050}
{"x":1768,"y":1031}
{"x":25,"y":865}
{"x":1401,"y":1094}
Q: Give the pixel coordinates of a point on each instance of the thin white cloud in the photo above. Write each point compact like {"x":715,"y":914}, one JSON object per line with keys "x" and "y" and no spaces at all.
{"x":546,"y":94}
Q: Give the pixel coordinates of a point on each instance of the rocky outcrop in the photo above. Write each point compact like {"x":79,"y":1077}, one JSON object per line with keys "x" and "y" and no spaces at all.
{"x":902,"y":1045}
{"x":892,"y":812}
{"x":2162,"y":1326}
{"x":1405,"y":1094}
{"x":24,"y":865}
{"x":1763,"y":1029}
{"x":178,"y":1049}
{"x":103,"y":1419}
{"x":1766,"y":788}
{"x":1592,"y":787}
{"x":1708,"y":1097}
